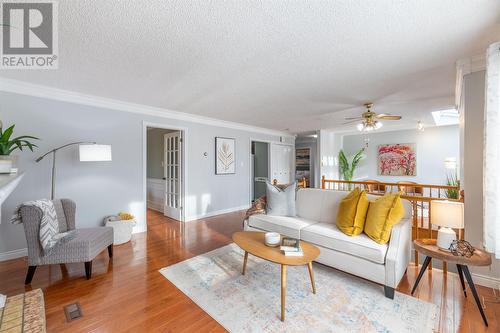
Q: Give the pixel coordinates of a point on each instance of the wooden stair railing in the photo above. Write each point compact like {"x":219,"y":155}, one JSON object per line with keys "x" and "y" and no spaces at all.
{"x":301,"y":183}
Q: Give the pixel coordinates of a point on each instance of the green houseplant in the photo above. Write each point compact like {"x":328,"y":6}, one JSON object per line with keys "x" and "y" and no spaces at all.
{"x":347,"y":168}
{"x":452,"y":180}
{"x":8,"y":145}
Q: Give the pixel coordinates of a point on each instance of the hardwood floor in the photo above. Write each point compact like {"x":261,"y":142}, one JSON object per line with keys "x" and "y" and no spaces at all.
{"x":129,"y":294}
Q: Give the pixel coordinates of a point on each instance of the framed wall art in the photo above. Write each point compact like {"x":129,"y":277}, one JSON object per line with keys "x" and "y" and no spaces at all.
{"x":225,"y":159}
{"x":397,"y":159}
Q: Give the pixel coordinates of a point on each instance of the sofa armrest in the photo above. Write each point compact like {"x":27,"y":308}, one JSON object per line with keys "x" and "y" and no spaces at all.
{"x":399,"y":253}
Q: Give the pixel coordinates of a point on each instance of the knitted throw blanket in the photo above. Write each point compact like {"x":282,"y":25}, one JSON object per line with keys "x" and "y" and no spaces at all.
{"x":49,"y":226}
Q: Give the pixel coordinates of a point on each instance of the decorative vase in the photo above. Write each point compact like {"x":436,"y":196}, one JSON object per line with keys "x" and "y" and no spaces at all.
{"x":6,"y":162}
{"x":122,"y":230}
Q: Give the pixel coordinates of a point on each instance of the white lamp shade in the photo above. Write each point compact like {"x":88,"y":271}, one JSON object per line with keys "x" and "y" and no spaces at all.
{"x":448,"y":214}
{"x":95,"y":153}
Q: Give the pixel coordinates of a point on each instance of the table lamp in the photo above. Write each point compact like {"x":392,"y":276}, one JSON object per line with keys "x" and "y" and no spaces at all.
{"x":447,"y":215}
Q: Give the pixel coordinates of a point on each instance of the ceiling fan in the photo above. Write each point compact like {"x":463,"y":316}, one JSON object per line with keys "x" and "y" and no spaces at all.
{"x":370,"y":120}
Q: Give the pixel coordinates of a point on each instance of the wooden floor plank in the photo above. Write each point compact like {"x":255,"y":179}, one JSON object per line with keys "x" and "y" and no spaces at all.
{"x":129,"y":294}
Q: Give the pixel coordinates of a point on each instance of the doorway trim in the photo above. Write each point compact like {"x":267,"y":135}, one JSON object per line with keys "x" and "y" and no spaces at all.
{"x":269,"y":164}
{"x":184,"y":130}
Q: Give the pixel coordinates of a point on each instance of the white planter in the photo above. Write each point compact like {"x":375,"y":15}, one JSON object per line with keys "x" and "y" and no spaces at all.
{"x":5,"y":164}
{"x":122,"y":230}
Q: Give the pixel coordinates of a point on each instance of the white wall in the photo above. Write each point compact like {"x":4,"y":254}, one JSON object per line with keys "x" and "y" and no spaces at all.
{"x":433,"y":146}
{"x":329,"y":145}
{"x":473,"y":131}
{"x":104,"y":188}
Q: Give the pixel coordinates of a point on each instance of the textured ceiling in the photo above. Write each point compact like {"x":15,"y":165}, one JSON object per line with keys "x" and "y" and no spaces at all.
{"x":297,"y":65}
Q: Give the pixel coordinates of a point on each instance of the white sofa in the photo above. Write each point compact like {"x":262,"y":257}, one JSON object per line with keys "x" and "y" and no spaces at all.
{"x":316,"y":211}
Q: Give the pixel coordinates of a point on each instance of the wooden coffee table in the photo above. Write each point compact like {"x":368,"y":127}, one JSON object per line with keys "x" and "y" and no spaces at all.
{"x":429,"y":248}
{"x":253,"y":242}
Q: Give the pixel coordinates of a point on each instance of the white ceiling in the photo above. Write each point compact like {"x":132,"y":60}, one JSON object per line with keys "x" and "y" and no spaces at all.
{"x":298,"y":65}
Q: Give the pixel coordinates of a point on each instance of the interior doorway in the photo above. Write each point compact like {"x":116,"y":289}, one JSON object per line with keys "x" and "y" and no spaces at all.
{"x":260,"y":168}
{"x":270,"y":161}
{"x":165,"y":171}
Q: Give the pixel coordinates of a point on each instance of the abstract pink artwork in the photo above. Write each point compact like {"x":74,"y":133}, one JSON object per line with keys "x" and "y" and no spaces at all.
{"x":397,"y":160}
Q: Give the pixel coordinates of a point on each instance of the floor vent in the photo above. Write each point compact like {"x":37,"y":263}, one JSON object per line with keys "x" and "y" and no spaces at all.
{"x":73,"y":311}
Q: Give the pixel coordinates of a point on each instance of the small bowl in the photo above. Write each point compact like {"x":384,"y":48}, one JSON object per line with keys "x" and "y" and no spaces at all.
{"x":272,"y":239}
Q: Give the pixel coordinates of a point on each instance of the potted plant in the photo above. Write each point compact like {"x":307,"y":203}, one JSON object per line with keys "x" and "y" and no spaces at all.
{"x":8,"y":145}
{"x":452,"y":180}
{"x":347,"y":169}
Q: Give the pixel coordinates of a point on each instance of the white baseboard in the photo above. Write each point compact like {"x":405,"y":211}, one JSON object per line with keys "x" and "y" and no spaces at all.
{"x":486,"y":281}
{"x":14,"y":254}
{"x":216,"y":212}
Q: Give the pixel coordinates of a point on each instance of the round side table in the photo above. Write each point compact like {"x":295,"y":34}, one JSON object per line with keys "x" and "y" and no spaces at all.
{"x":431,"y":250}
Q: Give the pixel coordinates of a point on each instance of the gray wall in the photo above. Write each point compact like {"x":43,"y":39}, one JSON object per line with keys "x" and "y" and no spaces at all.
{"x":155,"y":153}
{"x":474,"y":92}
{"x":433,"y":146}
{"x":103,"y":188}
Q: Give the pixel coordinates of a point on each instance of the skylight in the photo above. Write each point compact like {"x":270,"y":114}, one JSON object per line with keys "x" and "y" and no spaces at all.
{"x":446,"y":117}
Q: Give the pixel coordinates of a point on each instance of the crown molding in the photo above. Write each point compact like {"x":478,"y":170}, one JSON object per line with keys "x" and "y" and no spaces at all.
{"x":41,"y":91}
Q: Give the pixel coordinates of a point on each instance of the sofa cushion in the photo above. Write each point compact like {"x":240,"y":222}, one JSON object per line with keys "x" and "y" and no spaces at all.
{"x":383,"y":213}
{"x":280,"y":202}
{"x":322,"y":205}
{"x":85,"y":246}
{"x":285,"y":225}
{"x":329,"y":236}
{"x":318,"y":205}
{"x":351,"y":214}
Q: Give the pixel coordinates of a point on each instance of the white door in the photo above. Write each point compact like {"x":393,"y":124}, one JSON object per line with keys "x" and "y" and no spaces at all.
{"x":173,"y":175}
{"x":282,"y":163}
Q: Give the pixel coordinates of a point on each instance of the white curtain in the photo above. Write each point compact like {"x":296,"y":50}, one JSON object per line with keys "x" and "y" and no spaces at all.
{"x":491,"y":174}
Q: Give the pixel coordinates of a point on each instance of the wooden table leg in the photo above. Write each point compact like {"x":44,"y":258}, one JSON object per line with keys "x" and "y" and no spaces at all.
{"x":472,"y":287}
{"x":245,"y":262}
{"x":283,"y":291}
{"x":311,"y":275}
{"x":422,"y":271}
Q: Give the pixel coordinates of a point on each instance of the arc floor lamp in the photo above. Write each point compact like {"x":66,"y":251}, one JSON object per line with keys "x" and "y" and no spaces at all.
{"x":89,"y":152}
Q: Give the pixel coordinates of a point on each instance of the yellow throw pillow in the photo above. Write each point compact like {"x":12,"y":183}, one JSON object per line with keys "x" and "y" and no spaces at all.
{"x":382,"y":215}
{"x":351,"y":214}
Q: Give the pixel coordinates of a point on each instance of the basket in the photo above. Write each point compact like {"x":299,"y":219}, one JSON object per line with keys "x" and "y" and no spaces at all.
{"x":122,"y":230}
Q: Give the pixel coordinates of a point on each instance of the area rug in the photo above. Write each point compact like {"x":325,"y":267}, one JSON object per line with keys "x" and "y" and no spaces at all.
{"x":251,"y":302}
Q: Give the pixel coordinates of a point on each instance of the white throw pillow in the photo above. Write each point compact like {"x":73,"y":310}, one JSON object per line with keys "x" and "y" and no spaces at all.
{"x":280,"y":202}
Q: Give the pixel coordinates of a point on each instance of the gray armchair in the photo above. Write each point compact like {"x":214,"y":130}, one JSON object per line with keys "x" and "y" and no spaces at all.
{"x":84,"y":247}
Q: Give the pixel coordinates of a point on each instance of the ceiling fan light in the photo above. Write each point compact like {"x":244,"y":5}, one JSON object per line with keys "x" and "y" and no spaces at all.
{"x":378,"y":124}
{"x":420,"y":126}
{"x":360,"y":127}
